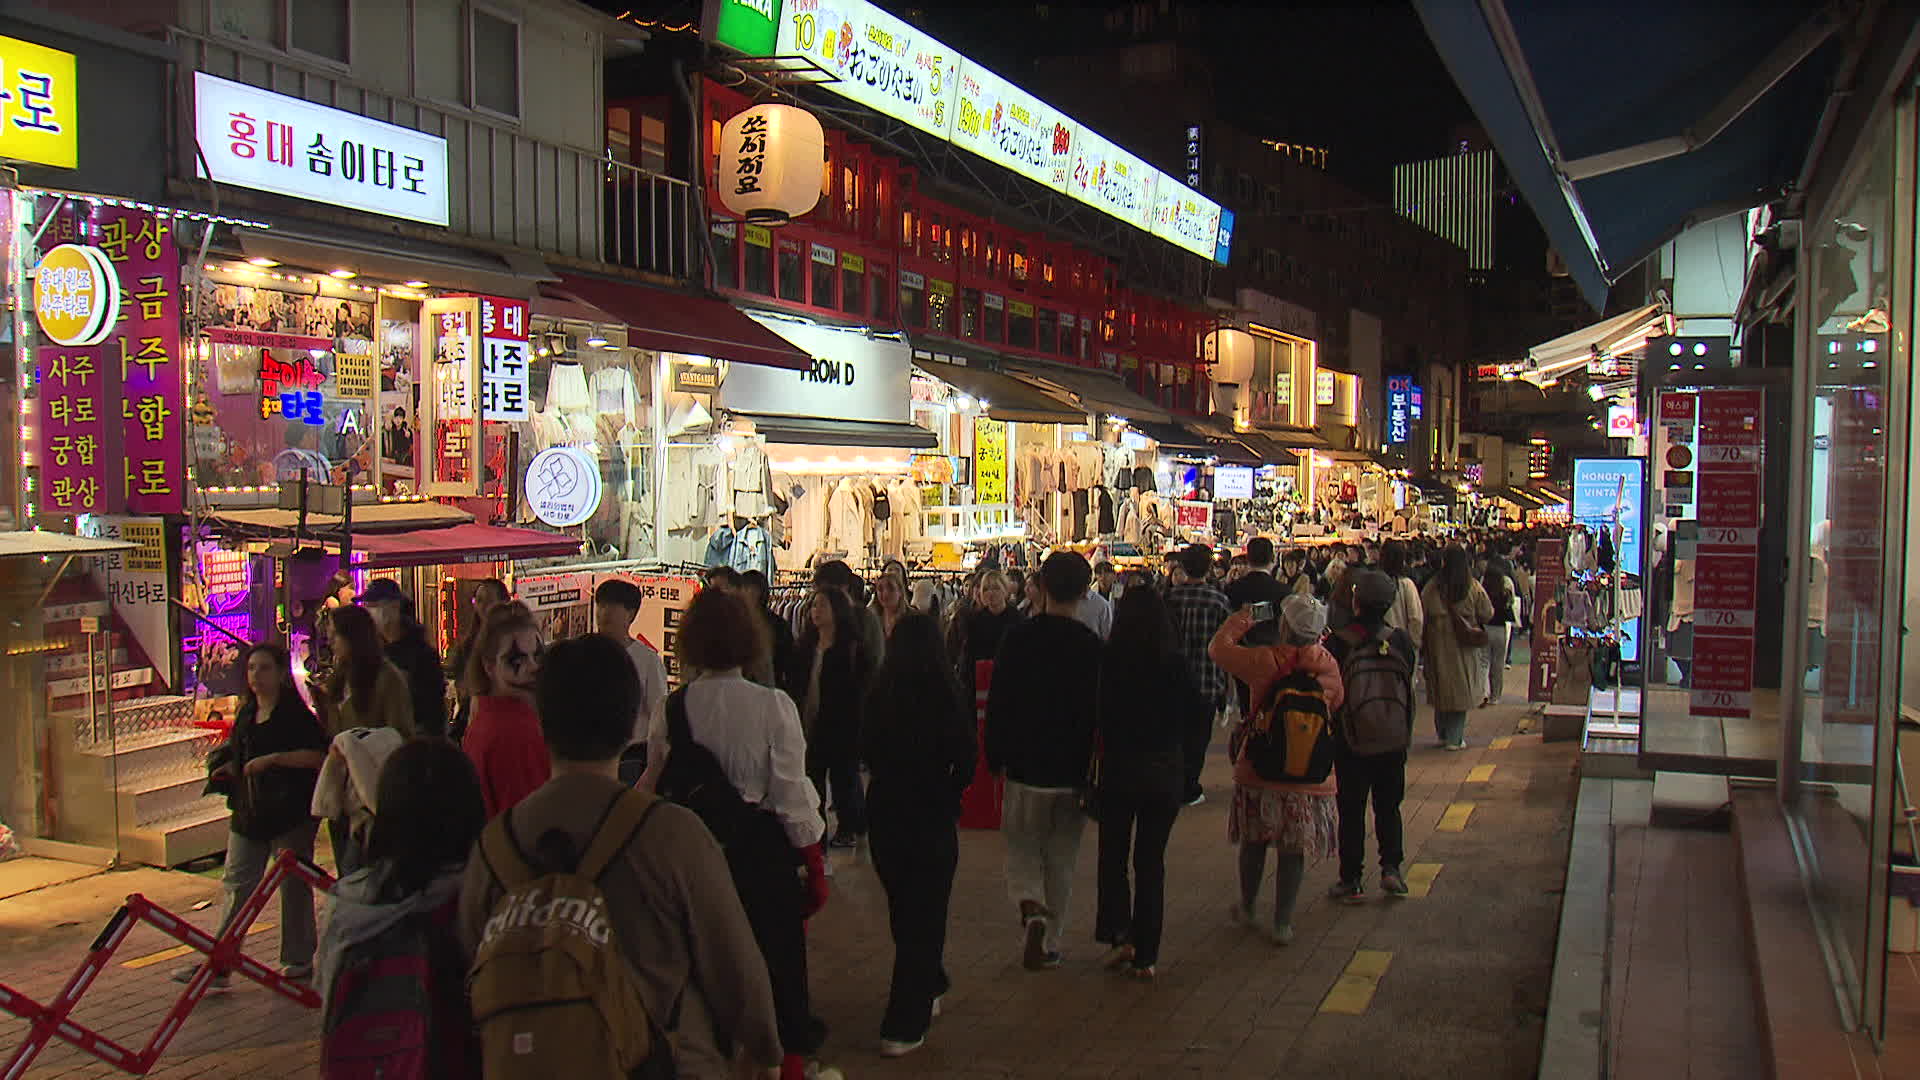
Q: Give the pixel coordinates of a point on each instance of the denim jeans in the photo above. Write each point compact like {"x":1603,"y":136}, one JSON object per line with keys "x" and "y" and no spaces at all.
{"x":1450,"y":726}
{"x":247,"y":863}
{"x":1499,"y":637}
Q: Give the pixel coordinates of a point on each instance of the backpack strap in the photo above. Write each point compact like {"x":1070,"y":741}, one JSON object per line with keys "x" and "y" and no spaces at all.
{"x":502,"y":854}
{"x":630,"y":811}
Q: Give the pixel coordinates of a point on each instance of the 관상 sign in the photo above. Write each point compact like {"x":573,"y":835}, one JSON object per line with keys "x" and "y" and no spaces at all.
{"x":258,"y":139}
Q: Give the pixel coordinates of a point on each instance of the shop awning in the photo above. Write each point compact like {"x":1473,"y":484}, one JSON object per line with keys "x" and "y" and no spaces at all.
{"x":1603,"y":340}
{"x":1296,"y":438}
{"x":20,"y":545}
{"x":1172,"y":436}
{"x":667,"y":321}
{"x":1719,"y":114}
{"x":1547,"y":495}
{"x":1007,"y":398}
{"x":1268,"y":451}
{"x":469,"y":543}
{"x":396,"y":258}
{"x":384,"y":517}
{"x":809,"y":431}
{"x":1097,"y":391}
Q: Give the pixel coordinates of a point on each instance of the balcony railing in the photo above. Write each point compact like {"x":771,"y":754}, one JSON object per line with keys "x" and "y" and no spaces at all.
{"x":506,"y":187}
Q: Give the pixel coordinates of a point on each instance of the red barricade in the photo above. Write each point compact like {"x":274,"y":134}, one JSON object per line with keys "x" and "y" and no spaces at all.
{"x":980,"y":806}
{"x":223,"y":954}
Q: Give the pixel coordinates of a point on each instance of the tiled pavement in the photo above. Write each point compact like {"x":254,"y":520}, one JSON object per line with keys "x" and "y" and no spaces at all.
{"x":1463,"y":991}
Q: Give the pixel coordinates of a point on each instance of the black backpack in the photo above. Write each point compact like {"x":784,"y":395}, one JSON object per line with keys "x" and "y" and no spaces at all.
{"x":1291,"y":739}
{"x":1377,"y":717}
{"x":694,"y":778}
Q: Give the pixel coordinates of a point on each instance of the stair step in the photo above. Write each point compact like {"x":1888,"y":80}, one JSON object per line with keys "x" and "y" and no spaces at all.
{"x":137,"y":759}
{"x":1690,"y":800}
{"x":153,"y":799}
{"x":177,"y":840}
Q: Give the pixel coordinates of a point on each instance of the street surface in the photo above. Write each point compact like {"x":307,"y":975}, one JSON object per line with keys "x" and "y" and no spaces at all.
{"x":1450,"y":982}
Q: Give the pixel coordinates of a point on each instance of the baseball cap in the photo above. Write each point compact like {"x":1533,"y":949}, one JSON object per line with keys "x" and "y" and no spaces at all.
{"x":382,"y":591}
{"x":1305,"y":617}
{"x":1373,"y":590}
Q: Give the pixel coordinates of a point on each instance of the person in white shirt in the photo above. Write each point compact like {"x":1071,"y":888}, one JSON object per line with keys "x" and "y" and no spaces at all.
{"x":616,"y":604}
{"x":1096,"y":612}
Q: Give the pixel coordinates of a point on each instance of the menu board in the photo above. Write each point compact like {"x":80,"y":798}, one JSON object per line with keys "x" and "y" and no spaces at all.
{"x":1010,"y":127}
{"x":882,"y":61}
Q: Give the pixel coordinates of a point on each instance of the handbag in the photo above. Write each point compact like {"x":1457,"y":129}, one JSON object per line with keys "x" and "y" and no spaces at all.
{"x":1465,"y":632}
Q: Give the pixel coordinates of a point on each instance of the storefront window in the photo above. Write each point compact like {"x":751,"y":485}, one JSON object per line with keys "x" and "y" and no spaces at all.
{"x":726,"y":255}
{"x":825,"y":272}
{"x":792,"y":272}
{"x":853,"y":283}
{"x":995,"y":322}
{"x":940,"y":307}
{"x":757,"y":260}
{"x":913,"y":300}
{"x":1846,"y":686}
{"x":880,"y":291}
{"x":970,"y":313}
{"x":1049,"y":331}
{"x":1020,"y":324}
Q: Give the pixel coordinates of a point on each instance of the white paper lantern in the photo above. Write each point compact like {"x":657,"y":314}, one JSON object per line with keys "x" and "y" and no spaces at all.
{"x":769,"y":168}
{"x":1230,"y":353}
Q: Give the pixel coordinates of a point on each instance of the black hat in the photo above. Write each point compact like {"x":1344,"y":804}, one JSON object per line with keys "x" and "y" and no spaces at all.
{"x":382,"y":591}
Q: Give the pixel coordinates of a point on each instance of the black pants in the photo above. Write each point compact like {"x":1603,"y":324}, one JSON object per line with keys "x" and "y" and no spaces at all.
{"x":1383,"y":779}
{"x":768,"y":882}
{"x":1136,"y":826}
{"x":842,"y":771}
{"x":915,"y":855}
{"x":1194,"y":742}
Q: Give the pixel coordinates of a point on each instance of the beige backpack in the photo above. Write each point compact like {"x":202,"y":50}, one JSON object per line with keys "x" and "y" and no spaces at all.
{"x":553,"y":994}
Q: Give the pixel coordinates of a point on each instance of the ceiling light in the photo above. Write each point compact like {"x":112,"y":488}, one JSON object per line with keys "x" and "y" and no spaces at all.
{"x":343,"y":275}
{"x":416,"y":283}
{"x":263,"y":261}
{"x":596,"y":341}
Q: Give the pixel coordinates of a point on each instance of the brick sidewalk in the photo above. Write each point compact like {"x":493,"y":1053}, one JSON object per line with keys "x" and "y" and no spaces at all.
{"x":1466,"y":967}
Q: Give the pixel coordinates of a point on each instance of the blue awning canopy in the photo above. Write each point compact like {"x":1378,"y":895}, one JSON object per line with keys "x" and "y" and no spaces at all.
{"x":1624,"y":123}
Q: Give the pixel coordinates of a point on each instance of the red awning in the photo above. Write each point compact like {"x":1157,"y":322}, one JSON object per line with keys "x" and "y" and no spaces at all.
{"x":468,"y":543}
{"x":678,"y":322}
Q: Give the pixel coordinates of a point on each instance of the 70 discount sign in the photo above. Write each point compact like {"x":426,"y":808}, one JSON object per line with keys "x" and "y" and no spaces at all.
{"x":1726,"y":579}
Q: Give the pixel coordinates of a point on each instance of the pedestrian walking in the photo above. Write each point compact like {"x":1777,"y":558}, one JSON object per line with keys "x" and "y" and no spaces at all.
{"x":268,"y":767}
{"x":1297,"y":820}
{"x":403,"y":903}
{"x":833,"y":671}
{"x":917,"y":737}
{"x":890,"y":602}
{"x":671,"y":905}
{"x":616,"y":604}
{"x":404,"y":642}
{"x":754,"y":590}
{"x":1039,"y":736}
{"x":1405,"y":613}
{"x":735,"y":755}
{"x":368,"y":710}
{"x":837,"y":576}
{"x":504,"y":741}
{"x":488,"y":594}
{"x":1457,"y":609}
{"x":1374,"y":729}
{"x":1197,"y":609}
{"x":1504,"y":596}
{"x":1148,"y":706}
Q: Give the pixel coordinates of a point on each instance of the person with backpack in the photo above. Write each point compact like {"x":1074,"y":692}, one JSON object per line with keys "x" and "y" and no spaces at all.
{"x":735,"y":756}
{"x":917,"y":737}
{"x":503,"y":737}
{"x":606,"y":933}
{"x":1457,"y":610}
{"x":267,"y":768}
{"x":390,"y":949}
{"x":1374,"y":728}
{"x":1501,"y":591}
{"x":1283,"y":793}
{"x":1148,"y":704}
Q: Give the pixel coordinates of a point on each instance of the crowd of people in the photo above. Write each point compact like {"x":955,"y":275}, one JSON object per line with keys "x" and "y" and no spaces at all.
{"x":560,"y":799}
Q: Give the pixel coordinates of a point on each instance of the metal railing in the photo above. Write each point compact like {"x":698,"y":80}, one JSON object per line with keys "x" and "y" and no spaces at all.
{"x":506,"y":187}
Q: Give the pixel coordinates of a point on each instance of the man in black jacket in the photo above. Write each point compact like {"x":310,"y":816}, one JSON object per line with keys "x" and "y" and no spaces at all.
{"x":1039,"y":735}
{"x":1257,"y":586}
{"x":407,"y":648}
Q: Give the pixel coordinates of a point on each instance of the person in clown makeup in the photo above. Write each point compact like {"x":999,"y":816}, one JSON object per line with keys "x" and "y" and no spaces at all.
{"x":503,"y":737}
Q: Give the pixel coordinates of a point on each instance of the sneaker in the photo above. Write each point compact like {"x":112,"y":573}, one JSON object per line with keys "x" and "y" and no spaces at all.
{"x":936,"y":1005}
{"x":1034,"y":957}
{"x":1053,"y":959}
{"x":298,"y":972}
{"x":1348,"y":892}
{"x":1282,"y":933}
{"x":844,"y":841}
{"x":1392,"y":883}
{"x":894,"y":1048}
{"x":820,"y":1071}
{"x":1138,"y":973}
{"x":1197,"y":799}
{"x":184,"y":974}
{"x":1118,"y":958}
{"x":1457,"y":746}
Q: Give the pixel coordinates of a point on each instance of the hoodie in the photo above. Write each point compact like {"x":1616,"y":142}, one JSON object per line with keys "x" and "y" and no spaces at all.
{"x":355,"y":916}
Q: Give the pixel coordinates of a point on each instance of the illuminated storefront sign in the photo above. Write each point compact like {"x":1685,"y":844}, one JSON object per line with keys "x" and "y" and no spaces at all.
{"x":1399,"y":409}
{"x":1325,"y":388}
{"x":258,"y":139}
{"x":39,"y":95}
{"x":890,"y":66}
{"x":563,"y":486}
{"x":76,"y":295}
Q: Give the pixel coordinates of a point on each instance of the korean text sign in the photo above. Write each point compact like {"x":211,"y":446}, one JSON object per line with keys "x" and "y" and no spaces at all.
{"x":504,"y":388}
{"x":39,"y":96}
{"x":258,"y":139}
{"x":1606,"y":492}
{"x":1399,"y":409}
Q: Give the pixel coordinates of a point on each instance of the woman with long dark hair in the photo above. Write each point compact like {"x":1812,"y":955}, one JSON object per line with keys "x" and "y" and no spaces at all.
{"x":917,"y":739}
{"x":489,"y":594}
{"x":1147,"y":702}
{"x":269,"y":765}
{"x":891,"y":600}
{"x":1457,"y":612}
{"x":366,"y":689}
{"x":504,"y":743}
{"x":832,"y":671}
{"x":431,"y":812}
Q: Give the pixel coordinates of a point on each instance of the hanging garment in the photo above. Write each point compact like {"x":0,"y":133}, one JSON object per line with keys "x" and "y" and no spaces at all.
{"x":846,"y":519}
{"x":719,"y":548}
{"x":1080,"y":499}
{"x":752,"y":550}
{"x":750,"y":480}
{"x":1103,"y":504}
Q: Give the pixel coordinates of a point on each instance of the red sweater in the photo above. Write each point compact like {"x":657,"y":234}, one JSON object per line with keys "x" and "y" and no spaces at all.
{"x":503,"y":740}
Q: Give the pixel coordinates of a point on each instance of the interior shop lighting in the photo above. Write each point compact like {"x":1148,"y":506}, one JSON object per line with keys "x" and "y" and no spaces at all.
{"x":343,"y":274}
{"x":262,"y":261}
{"x":595,"y":341}
{"x":963,"y":401}
{"x":1594,"y":391}
{"x":416,"y":283}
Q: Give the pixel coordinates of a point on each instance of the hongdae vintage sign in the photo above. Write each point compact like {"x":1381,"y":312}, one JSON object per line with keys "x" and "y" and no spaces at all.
{"x":258,"y":139}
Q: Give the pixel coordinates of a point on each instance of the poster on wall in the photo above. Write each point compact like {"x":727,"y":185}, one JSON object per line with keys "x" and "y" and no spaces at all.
{"x":1608,"y":493}
{"x":448,"y":396}
{"x":395,"y":349}
{"x":990,"y":461}
{"x":1726,"y":567}
{"x":136,"y":584}
{"x":1549,"y":574}
{"x":289,"y":380}
{"x":663,"y":600}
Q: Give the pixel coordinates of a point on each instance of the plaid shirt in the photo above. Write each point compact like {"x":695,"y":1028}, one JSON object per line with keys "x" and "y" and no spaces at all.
{"x":1198,"y":611}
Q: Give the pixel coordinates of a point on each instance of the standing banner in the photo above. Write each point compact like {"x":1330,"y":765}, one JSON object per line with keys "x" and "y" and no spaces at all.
{"x":1726,"y":569}
{"x":1549,"y":574}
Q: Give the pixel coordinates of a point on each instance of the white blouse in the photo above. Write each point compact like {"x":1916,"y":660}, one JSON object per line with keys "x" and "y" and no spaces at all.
{"x":755,"y":732}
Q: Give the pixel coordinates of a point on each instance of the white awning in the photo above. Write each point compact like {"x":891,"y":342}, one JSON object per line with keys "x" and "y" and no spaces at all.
{"x":1620,"y":334}
{"x":14,"y":545}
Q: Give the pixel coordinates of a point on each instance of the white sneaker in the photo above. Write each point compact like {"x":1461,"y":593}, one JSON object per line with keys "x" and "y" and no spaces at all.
{"x":936,"y":1004}
{"x":1282,"y":933}
{"x":894,"y":1048}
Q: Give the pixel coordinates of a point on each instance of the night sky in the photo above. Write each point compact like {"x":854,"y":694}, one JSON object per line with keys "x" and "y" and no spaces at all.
{"x":1360,"y":78}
